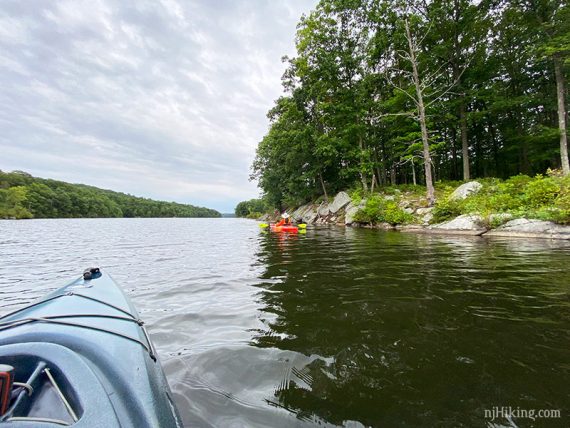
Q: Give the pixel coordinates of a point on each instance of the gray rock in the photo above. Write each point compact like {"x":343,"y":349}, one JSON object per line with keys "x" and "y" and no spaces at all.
{"x":310,"y":216}
{"x":300,"y":212}
{"x":425,"y":214}
{"x":351,"y":210}
{"x":408,"y":210}
{"x":427,"y":218}
{"x":349,"y":213}
{"x":522,"y":227}
{"x":465,"y":190}
{"x":323,"y":209}
{"x":424,"y":211}
{"x":385,"y":226}
{"x":389,"y":197}
{"x":410,"y":228}
{"x":340,"y":201}
{"x":463,"y":222}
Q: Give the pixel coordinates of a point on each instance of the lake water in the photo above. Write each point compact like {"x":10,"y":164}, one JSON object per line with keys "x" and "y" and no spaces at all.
{"x":336,"y":327}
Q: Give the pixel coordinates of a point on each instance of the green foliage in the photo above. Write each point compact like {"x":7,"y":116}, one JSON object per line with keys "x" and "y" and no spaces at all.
{"x":254,"y":208}
{"x":348,"y":118}
{"x":24,"y":196}
{"x":12,"y":203}
{"x":446,"y":209}
{"x":380,"y":210}
{"x":544,"y":198}
{"x":541,"y":191}
{"x":356,"y":195}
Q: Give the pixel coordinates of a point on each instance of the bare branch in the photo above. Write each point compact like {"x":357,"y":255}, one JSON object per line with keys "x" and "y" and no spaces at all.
{"x":401,"y":89}
{"x":446,"y":91}
{"x":426,"y":34}
{"x":406,"y":114}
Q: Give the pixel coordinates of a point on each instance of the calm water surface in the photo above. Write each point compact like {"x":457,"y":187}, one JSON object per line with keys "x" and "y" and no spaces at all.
{"x":338,"y":327}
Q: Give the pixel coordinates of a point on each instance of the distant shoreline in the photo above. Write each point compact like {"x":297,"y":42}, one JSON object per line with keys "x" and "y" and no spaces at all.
{"x":23,"y":196}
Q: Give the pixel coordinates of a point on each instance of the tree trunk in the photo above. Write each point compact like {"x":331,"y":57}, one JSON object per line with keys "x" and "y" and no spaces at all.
{"x":362,"y":175}
{"x":452,"y":139}
{"x":414,"y":172}
{"x":422,"y":113}
{"x":323,"y":186}
{"x":495,"y":147}
{"x":464,"y":141}
{"x":561,"y":116}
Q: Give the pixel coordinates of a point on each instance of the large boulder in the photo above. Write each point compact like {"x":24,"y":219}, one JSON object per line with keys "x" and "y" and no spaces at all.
{"x":465,"y":190}
{"x":309,"y":216}
{"x":340,"y":201}
{"x":299,"y":213}
{"x":323,"y":209}
{"x":466,"y":224}
{"x":349,"y":213}
{"x":351,"y":210}
{"x":522,"y":227}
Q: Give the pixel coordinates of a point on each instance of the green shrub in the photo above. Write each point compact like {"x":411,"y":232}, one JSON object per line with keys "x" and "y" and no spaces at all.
{"x":563,"y":201}
{"x":541,"y":191}
{"x":393,"y":214}
{"x":446,"y":209}
{"x":379,"y":210}
{"x":370,"y":213}
{"x":356,"y":196}
{"x":517,"y":181}
{"x":503,"y":202}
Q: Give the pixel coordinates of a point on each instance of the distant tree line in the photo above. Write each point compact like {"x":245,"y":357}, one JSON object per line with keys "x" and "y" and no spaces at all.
{"x":24,"y":196}
{"x":385,"y":92}
{"x":253,"y":208}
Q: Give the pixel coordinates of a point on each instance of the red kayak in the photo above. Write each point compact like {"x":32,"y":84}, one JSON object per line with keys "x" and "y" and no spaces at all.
{"x":284,"y":228}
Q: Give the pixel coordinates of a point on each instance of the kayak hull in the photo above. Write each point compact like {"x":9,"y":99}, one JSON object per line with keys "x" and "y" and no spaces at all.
{"x":287,"y":229}
{"x":90,"y":337}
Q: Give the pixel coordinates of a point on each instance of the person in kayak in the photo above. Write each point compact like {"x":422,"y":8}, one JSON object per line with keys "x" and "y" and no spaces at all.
{"x":285,"y":220}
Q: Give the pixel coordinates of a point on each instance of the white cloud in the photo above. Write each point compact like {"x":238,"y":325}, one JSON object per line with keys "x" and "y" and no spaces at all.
{"x":161,"y":99}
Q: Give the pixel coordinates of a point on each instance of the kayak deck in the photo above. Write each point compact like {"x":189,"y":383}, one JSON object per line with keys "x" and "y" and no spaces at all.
{"x":89,"y":337}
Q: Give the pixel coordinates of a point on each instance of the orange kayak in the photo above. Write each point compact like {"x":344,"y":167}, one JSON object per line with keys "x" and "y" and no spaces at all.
{"x":290,"y":229}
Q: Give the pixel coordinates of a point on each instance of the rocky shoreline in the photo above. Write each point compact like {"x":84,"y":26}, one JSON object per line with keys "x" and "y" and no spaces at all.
{"x":342,"y":211}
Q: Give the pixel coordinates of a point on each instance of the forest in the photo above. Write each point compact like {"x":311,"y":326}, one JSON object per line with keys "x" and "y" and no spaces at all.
{"x":23,"y":196}
{"x":384,"y":93}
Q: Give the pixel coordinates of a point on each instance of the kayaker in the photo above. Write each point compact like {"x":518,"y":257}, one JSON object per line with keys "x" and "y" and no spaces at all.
{"x":285,"y":220}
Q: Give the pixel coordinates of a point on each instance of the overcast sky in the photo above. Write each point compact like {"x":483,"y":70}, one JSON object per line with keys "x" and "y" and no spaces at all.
{"x":163,"y":99}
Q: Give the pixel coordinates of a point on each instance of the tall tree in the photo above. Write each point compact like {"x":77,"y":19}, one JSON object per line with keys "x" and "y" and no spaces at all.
{"x":419,"y":84}
{"x":554,"y":19}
